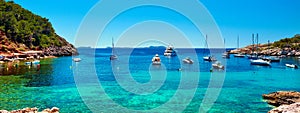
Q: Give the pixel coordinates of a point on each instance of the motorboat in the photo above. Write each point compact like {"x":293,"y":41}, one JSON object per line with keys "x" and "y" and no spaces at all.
{"x":33,"y":62}
{"x":156,"y":60}
{"x":209,"y":58}
{"x":291,"y":66}
{"x":76,"y":59}
{"x":113,"y":57}
{"x":260,"y":62}
{"x":170,"y":51}
{"x":187,"y":60}
{"x":272,"y":59}
{"x":218,"y":65}
{"x":239,"y":55}
{"x":254,"y":57}
{"x":226,"y":55}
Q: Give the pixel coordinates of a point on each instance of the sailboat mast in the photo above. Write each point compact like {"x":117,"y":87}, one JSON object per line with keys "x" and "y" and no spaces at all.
{"x":253,"y":43}
{"x":238,"y":41}
{"x":113,"y":45}
{"x":257,"y":42}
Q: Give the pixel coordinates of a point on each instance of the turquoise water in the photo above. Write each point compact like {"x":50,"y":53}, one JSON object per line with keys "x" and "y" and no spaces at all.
{"x":77,"y":87}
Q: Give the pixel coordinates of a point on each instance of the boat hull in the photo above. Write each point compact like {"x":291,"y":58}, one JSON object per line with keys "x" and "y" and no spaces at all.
{"x":260,"y":62}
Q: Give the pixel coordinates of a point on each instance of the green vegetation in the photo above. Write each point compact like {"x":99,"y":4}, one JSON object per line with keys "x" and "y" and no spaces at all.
{"x":22,"y":27}
{"x":293,"y":42}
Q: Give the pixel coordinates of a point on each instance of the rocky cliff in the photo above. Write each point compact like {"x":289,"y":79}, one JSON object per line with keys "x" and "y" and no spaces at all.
{"x":285,"y":101}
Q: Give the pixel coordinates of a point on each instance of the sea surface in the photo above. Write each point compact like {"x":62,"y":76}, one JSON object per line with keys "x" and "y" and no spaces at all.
{"x":133,"y":84}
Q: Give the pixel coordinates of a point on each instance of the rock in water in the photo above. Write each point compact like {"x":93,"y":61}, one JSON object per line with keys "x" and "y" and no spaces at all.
{"x":293,"y":108}
{"x":282,"y":98}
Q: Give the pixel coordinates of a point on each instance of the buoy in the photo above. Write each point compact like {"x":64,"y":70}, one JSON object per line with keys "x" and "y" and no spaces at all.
{"x":179,"y":69}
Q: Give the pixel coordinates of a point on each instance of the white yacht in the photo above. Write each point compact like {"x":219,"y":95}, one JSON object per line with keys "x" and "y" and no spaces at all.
{"x":156,"y":60}
{"x":218,"y":65}
{"x":260,"y":62}
{"x":170,"y":51}
{"x":291,"y":66}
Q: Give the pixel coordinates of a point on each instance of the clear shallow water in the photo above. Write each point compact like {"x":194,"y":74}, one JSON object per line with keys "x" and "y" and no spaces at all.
{"x":54,"y":85}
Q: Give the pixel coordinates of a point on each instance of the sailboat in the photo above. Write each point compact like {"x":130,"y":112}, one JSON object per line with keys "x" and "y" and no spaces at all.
{"x":253,"y":55}
{"x":260,"y":61}
{"x":113,"y":56}
{"x":239,"y":54}
{"x":226,"y":53}
{"x":208,"y":58}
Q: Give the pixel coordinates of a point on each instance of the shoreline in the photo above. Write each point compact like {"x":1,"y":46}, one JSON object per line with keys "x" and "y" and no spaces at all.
{"x":24,"y":56}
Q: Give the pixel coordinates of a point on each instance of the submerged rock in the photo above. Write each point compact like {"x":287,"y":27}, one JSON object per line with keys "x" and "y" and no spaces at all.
{"x":282,"y":98}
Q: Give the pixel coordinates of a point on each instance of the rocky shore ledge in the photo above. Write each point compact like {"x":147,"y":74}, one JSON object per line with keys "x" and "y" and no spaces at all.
{"x":285,"y":101}
{"x":32,"y":110}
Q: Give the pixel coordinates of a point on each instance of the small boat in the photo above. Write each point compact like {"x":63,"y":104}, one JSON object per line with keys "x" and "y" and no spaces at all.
{"x":33,"y":62}
{"x":113,"y":56}
{"x":260,"y":62}
{"x":291,"y":66}
{"x":217,"y":65}
{"x":254,"y":57}
{"x":170,"y":51}
{"x":298,"y":57}
{"x":187,"y":60}
{"x":36,"y":61}
{"x":209,"y":58}
{"x":239,"y":55}
{"x":156,"y":60}
{"x":76,"y":59}
{"x":272,"y":59}
{"x":226,"y":55}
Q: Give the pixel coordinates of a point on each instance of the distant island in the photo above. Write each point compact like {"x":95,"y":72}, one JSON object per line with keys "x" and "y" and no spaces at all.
{"x":21,"y":31}
{"x":285,"y":46}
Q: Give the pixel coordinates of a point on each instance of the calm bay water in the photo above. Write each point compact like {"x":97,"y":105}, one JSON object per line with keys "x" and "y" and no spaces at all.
{"x":54,"y":85}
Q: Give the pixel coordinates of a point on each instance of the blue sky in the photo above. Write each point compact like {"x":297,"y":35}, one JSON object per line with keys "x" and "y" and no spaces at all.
{"x":273,"y":20}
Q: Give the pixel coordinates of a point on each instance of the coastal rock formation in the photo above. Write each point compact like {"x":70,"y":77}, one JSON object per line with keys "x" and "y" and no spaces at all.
{"x":32,"y":110}
{"x":282,"y":98}
{"x":293,"y":108}
{"x":67,"y":50}
{"x":288,"y":101}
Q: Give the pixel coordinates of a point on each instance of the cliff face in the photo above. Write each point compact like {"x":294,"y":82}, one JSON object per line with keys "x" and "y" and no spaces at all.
{"x":21,"y":30}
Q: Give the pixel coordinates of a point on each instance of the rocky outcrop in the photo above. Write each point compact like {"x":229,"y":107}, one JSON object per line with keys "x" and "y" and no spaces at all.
{"x":32,"y":110}
{"x":288,"y":101}
{"x":293,"y":108}
{"x":67,"y":50}
{"x":282,"y":98}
